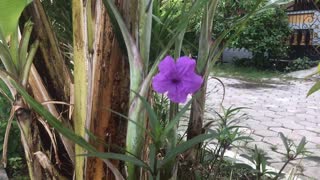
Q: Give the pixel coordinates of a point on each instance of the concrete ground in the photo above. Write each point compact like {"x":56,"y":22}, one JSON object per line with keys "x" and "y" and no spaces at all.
{"x":276,"y":107}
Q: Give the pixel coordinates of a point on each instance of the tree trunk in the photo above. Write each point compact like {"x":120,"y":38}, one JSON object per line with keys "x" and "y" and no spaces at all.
{"x":29,"y":137}
{"x":110,"y":91}
{"x":50,"y":62}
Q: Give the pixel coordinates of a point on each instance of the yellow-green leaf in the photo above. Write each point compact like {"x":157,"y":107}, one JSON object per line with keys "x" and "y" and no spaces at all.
{"x":10,"y":11}
{"x":315,"y":87}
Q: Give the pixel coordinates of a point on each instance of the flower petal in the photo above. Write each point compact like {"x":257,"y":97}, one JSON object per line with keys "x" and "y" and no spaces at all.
{"x":167,"y":65}
{"x":191,"y":82}
{"x":162,"y":83}
{"x":185,"y":65}
{"x":177,"y":95}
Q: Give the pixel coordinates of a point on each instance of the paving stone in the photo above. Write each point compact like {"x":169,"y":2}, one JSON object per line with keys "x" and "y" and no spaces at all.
{"x":256,"y":137}
{"x":314,"y":139}
{"x":275,"y":156}
{"x":305,"y":133}
{"x":306,"y":124}
{"x":283,"y":130}
{"x":312,"y":170}
{"x":292,"y":125}
{"x":3,"y":175}
{"x":282,"y":108}
{"x":273,"y":140}
{"x":265,"y":133}
{"x":271,"y":123}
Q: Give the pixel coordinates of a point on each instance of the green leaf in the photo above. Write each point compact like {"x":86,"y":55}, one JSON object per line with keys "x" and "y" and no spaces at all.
{"x":301,"y":145}
{"x":154,"y":122}
{"x":6,"y":59}
{"x":23,"y":48}
{"x":135,"y":62}
{"x":242,"y":166}
{"x":121,"y":157}
{"x":10,"y":11}
{"x":6,"y":90}
{"x":14,"y":48}
{"x":243,"y":138}
{"x":54,"y":122}
{"x":175,"y":120}
{"x":314,"y":88}
{"x":285,"y":142}
{"x":185,"y":146}
{"x":134,"y":122}
{"x":152,"y":157}
{"x":145,"y":29}
{"x":27,"y":65}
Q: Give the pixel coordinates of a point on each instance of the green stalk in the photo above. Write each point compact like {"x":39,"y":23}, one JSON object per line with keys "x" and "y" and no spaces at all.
{"x":28,"y":63}
{"x":135,"y":136}
{"x":173,"y":110}
{"x":23,"y":47}
{"x":145,"y":27}
{"x":198,"y":103}
{"x":14,"y":48}
{"x":80,"y":80}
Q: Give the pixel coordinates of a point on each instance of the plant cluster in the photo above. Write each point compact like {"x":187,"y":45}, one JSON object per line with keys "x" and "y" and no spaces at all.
{"x":300,"y":64}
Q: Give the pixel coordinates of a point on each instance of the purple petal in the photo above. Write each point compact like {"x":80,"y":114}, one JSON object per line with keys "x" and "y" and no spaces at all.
{"x":178,"y":95}
{"x":185,"y":65}
{"x":167,"y":64}
{"x":191,"y":82}
{"x":161,"y":83}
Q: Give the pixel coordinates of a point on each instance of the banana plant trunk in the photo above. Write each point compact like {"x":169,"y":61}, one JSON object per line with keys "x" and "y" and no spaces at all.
{"x":198,"y":103}
{"x":29,"y":137}
{"x":110,"y":89}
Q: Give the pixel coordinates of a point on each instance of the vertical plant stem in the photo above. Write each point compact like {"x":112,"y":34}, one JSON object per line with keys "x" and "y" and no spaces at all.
{"x":145,"y":27}
{"x":29,"y":137}
{"x":80,"y":46}
{"x":282,"y":168}
{"x":198,"y":103}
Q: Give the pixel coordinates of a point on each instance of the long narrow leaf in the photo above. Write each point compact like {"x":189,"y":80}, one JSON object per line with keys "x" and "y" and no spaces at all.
{"x":154,"y":122}
{"x":314,"y":88}
{"x":185,"y":146}
{"x":121,"y":157}
{"x":135,"y":62}
{"x":6,"y":59}
{"x":27,"y":66}
{"x":23,"y":48}
{"x":175,"y":120}
{"x":301,"y":145}
{"x":10,"y":11}
{"x":285,"y":141}
{"x":55,"y":123}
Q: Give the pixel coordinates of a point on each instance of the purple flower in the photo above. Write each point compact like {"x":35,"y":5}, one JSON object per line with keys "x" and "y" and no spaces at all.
{"x":177,"y":78}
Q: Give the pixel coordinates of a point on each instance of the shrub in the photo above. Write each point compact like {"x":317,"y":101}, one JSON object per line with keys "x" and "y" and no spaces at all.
{"x":299,"y":64}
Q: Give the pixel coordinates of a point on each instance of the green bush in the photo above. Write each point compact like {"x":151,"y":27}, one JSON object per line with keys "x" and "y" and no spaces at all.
{"x":300,"y":64}
{"x":16,"y":165}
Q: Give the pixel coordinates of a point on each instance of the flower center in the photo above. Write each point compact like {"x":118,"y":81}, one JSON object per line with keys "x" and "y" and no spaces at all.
{"x":175,"y":81}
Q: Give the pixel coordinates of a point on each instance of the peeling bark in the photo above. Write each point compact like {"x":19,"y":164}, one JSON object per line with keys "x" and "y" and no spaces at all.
{"x":110,"y":91}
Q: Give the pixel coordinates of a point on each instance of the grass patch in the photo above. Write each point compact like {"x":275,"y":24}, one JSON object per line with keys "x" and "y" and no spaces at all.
{"x":245,"y":73}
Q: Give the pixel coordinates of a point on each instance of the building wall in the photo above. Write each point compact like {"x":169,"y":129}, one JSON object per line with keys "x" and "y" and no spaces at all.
{"x":306,"y":20}
{"x":231,"y":54}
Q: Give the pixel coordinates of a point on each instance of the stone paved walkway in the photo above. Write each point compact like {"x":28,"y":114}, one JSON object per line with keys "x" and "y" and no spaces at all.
{"x":274,"y":107}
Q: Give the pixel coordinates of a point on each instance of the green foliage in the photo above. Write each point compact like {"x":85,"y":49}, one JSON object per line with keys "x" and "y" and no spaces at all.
{"x":299,"y":64}
{"x":10,"y":11}
{"x":214,"y":165}
{"x":230,"y":11}
{"x":316,"y":86}
{"x":16,"y":163}
{"x":161,"y":107}
{"x":17,"y":168}
{"x":265,"y":35}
